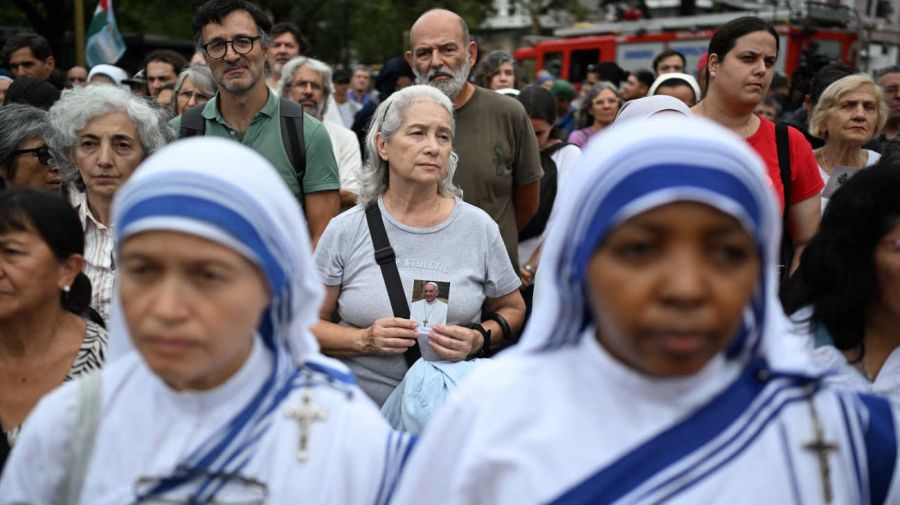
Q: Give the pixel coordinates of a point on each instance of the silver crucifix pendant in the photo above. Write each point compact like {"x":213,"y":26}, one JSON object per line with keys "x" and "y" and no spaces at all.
{"x":305,"y":414}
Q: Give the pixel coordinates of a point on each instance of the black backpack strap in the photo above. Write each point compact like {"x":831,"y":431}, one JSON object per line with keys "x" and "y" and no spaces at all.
{"x":387,"y":260}
{"x":192,"y":122}
{"x":292,"y":138}
{"x":783,"y":145}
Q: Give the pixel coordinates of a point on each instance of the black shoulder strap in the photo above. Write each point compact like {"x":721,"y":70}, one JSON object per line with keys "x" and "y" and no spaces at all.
{"x":292,"y":138}
{"x":192,"y":122}
{"x":387,"y":260}
{"x":786,"y":254}
{"x":783,"y":144}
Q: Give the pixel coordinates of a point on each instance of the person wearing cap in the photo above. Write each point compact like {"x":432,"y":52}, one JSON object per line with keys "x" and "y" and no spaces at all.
{"x":137,"y":83}
{"x":563,"y":91}
{"x":681,"y":86}
{"x":107,"y":74}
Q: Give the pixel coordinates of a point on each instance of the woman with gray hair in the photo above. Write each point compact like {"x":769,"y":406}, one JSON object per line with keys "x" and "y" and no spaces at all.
{"x":598,"y":110}
{"x":24,"y":156}
{"x":407,"y":186}
{"x":195,"y":86}
{"x":98,"y":135}
{"x":496,"y":71}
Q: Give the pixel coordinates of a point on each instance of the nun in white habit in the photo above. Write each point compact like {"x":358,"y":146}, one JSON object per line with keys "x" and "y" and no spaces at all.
{"x":219,"y":393}
{"x":656,"y":368}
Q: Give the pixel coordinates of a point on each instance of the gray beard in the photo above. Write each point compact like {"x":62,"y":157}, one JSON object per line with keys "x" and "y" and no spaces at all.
{"x":449,"y":87}
{"x":317,"y":112}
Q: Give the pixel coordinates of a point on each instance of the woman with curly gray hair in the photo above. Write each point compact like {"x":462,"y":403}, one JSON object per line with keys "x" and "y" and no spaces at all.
{"x":24,"y":156}
{"x":98,"y":135}
{"x":496,"y":71}
{"x":598,"y":110}
{"x":439,"y":240}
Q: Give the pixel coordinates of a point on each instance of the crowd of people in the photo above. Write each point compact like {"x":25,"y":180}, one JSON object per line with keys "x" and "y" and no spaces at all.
{"x":249,"y":276}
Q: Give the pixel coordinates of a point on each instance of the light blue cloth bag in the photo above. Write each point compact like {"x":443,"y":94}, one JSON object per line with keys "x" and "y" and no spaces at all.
{"x":422,"y":392}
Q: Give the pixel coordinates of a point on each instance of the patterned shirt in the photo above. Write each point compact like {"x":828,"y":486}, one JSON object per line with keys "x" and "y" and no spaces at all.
{"x":99,"y":255}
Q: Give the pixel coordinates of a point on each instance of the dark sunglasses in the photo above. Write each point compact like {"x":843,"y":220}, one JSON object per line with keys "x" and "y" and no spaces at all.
{"x":43,"y":153}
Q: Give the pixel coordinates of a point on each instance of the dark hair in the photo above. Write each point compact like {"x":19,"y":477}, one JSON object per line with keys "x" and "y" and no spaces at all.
{"x":488,"y":67}
{"x":214,"y":11}
{"x":342,"y":76}
{"x":825,"y":76}
{"x":36,"y":92}
{"x":539,"y":103}
{"x":39,"y":46}
{"x":644,"y":76}
{"x":166,"y":56}
{"x":54,"y":220}
{"x":726,"y":36}
{"x":837,"y":273}
{"x":610,"y":71}
{"x":288,"y":27}
{"x":665,"y":54}
{"x":881,"y":72}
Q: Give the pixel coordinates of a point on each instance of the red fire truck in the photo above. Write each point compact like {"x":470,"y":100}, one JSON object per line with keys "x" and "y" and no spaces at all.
{"x":569,"y":56}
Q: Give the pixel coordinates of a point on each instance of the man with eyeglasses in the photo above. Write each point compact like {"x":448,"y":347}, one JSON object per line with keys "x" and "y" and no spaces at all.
{"x":307,"y":81}
{"x":234,"y":37}
{"x":889,"y":81}
{"x":24,"y":155}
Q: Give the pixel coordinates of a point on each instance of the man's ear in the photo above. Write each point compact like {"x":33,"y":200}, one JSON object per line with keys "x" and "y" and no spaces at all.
{"x":51,"y":62}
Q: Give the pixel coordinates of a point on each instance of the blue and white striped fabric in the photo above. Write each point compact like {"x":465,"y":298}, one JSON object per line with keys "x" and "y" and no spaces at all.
{"x":215,"y":189}
{"x":557,"y":419}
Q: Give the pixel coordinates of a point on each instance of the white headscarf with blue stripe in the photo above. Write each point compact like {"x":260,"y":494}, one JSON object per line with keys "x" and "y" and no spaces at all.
{"x":222,"y":191}
{"x":638,"y":166}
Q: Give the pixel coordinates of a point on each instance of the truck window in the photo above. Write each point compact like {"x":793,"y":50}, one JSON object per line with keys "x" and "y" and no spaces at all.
{"x":579,"y":63}
{"x":553,"y":63}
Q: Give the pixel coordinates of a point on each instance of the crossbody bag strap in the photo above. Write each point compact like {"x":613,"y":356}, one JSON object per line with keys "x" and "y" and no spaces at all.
{"x":387,"y":260}
{"x":292,"y":137}
{"x":84,"y":433}
{"x":783,"y":145}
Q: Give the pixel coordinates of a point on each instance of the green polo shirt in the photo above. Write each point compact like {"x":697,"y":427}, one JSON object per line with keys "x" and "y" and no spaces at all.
{"x":264,"y":136}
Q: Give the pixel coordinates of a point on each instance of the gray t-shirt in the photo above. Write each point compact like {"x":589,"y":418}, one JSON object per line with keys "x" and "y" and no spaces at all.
{"x":465,"y":250}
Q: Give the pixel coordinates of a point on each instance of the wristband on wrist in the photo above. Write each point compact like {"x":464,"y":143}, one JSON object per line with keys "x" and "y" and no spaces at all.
{"x":486,"y":344}
{"x":504,"y":324}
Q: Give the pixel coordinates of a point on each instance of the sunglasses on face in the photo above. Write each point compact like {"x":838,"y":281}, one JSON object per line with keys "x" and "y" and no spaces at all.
{"x":42,"y":153}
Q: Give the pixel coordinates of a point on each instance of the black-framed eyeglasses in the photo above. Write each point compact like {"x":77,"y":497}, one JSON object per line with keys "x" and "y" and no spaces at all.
{"x":196,"y":484}
{"x":217,"y":48}
{"x":42,"y":153}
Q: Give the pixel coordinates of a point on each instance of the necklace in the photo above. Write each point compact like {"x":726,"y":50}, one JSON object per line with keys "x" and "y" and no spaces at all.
{"x":428,"y":312}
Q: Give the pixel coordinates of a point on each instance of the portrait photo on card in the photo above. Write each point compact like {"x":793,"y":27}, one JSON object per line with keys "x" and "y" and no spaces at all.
{"x":430,"y":300}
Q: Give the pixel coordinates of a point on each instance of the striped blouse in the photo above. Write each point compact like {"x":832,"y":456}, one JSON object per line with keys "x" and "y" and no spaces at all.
{"x":99,"y":255}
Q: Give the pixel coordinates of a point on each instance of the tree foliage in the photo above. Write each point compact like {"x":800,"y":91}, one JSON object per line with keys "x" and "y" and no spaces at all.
{"x":339,"y":31}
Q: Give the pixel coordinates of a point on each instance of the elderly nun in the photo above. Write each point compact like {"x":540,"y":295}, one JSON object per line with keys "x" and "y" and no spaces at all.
{"x":217,"y":392}
{"x":656,"y":367}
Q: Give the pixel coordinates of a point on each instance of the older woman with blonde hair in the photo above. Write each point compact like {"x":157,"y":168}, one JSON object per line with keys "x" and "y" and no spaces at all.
{"x":98,"y":135}
{"x":407,"y":188}
{"x":850,"y":113}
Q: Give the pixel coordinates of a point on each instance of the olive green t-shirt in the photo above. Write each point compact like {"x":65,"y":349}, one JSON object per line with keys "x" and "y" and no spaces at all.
{"x":264,"y":136}
{"x":498,"y":152}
